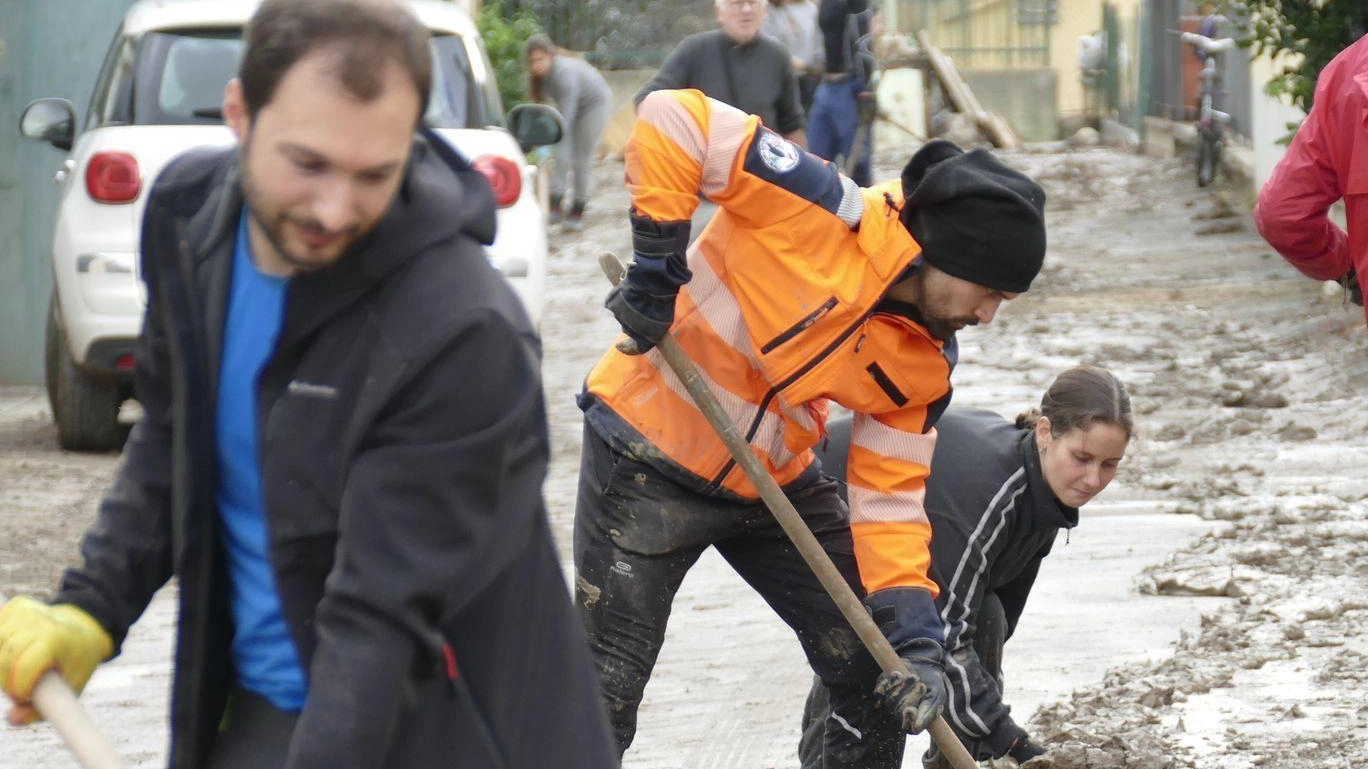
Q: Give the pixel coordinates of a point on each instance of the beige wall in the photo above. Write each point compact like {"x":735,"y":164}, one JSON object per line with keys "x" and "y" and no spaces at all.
{"x":1270,"y":117}
{"x":1075,"y":18}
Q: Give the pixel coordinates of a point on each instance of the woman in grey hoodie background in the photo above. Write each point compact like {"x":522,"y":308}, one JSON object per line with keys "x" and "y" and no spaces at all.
{"x":585,"y":101}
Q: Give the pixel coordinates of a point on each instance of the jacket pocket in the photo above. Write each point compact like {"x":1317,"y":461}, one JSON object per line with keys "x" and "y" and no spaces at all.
{"x":799,"y":327}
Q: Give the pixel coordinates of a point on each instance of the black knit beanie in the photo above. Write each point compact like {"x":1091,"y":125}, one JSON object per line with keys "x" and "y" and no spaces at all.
{"x":974,"y":217}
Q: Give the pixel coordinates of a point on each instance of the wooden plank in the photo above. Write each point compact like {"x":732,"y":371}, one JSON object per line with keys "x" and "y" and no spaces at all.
{"x":993,"y":126}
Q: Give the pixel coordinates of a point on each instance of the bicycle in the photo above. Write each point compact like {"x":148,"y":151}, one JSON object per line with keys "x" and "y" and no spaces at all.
{"x":1211,"y":122}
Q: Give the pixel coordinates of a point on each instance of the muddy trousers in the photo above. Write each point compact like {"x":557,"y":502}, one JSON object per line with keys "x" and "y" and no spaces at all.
{"x":636,"y":535}
{"x":989,"y":637}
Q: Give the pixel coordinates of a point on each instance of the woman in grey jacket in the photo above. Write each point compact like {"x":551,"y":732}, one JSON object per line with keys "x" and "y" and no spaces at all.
{"x":585,"y":102}
{"x":998,"y":494}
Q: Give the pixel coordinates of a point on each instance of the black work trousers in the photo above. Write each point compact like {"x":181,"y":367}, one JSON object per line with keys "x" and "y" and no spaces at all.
{"x":636,"y":535}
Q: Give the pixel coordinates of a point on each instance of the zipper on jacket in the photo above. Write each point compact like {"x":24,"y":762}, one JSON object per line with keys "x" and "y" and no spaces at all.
{"x":776,"y":389}
{"x":886,"y":384}
{"x":800,"y":326}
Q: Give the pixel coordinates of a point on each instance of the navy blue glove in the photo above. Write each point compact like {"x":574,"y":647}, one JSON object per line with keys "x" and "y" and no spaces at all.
{"x":907,"y":618}
{"x":1024,"y":752}
{"x":643,"y":302}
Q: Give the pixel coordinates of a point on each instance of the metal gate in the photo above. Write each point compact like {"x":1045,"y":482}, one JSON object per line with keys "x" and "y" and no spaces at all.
{"x":985,"y":34}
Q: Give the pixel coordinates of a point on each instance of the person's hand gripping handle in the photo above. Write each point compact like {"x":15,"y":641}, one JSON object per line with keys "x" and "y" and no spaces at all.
{"x":47,"y":653}
{"x":788,"y":518}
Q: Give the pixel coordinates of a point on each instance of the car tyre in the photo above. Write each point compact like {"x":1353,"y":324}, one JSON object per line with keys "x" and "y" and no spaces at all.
{"x":85,"y":404}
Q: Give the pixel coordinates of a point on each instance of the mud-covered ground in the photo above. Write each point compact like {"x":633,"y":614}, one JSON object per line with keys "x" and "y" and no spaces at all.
{"x":1248,"y":382}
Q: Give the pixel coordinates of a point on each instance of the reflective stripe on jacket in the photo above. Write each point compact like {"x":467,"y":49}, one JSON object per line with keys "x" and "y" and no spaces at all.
{"x":783,"y":314}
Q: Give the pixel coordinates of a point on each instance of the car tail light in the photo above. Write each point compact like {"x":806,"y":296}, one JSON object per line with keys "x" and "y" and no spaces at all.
{"x":124,"y":363}
{"x":503,"y":176}
{"x":113,"y":177}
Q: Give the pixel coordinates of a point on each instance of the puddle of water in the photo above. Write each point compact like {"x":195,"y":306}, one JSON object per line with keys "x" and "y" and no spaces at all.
{"x":1085,"y":616}
{"x":1220,"y":726}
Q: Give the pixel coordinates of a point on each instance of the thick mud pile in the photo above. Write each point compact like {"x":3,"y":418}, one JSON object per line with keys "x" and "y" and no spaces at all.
{"x":1249,"y":383}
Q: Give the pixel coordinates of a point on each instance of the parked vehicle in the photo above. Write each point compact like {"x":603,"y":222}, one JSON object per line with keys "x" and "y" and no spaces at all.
{"x":1212,"y":123}
{"x":159,"y":93}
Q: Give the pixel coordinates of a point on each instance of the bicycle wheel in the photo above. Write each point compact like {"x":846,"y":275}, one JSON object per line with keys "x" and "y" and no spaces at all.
{"x":1208,"y":158}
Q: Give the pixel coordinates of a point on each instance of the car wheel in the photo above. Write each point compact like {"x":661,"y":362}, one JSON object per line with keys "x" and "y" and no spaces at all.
{"x":85,"y":404}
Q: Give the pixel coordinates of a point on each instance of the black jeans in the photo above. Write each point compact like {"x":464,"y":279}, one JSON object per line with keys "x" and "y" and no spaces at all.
{"x":989,"y":636}
{"x":636,"y":535}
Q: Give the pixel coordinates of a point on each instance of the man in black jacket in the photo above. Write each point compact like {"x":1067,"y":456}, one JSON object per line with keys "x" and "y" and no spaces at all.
{"x":737,"y":65}
{"x":343,"y":444}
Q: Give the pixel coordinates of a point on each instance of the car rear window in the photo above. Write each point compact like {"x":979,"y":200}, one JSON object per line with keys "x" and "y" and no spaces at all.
{"x":177,"y":78}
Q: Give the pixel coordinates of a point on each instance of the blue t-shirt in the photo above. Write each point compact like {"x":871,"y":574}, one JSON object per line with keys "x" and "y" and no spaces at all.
{"x":264,"y":654}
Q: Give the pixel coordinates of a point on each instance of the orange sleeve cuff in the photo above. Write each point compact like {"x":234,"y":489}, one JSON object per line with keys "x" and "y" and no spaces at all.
{"x":894,"y":555}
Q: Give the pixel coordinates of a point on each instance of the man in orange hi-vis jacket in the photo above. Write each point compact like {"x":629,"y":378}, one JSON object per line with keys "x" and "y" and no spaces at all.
{"x":804,"y":289}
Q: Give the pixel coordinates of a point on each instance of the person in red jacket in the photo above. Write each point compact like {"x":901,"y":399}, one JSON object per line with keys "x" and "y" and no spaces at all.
{"x":1328,"y":160}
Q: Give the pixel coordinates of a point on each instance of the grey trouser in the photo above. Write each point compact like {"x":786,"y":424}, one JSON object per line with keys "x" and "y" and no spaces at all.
{"x":257,"y":735}
{"x":575,"y":151}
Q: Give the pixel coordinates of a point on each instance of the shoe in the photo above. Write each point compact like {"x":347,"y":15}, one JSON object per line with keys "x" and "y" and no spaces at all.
{"x":575,"y":222}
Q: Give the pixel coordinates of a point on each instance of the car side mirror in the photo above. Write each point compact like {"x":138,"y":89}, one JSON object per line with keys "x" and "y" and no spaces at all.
{"x":535,"y":125}
{"x":49,"y":120}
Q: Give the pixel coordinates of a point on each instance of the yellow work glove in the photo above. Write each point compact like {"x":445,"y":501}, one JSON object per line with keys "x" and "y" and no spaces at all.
{"x":35,"y":638}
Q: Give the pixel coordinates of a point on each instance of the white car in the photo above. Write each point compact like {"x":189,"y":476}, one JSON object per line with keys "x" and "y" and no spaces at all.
{"x":158,"y":93}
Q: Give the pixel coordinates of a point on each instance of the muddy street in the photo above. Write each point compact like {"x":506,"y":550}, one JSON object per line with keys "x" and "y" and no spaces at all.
{"x":1210,"y":611}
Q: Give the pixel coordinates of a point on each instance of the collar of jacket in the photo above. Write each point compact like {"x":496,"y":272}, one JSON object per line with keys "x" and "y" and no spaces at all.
{"x":738,"y":46}
{"x":441,"y":197}
{"x":1050,"y":511}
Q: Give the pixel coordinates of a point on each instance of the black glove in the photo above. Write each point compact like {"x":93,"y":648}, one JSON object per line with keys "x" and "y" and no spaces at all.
{"x":1026,"y":752}
{"x":1351,"y":285}
{"x":643,"y":302}
{"x":907,"y":617}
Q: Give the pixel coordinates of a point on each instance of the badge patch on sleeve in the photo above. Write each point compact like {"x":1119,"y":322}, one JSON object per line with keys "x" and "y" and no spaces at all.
{"x":776,"y":153}
{"x":786,"y":166}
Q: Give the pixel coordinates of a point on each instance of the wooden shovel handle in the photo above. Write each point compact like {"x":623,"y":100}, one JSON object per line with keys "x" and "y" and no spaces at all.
{"x":58,"y":704}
